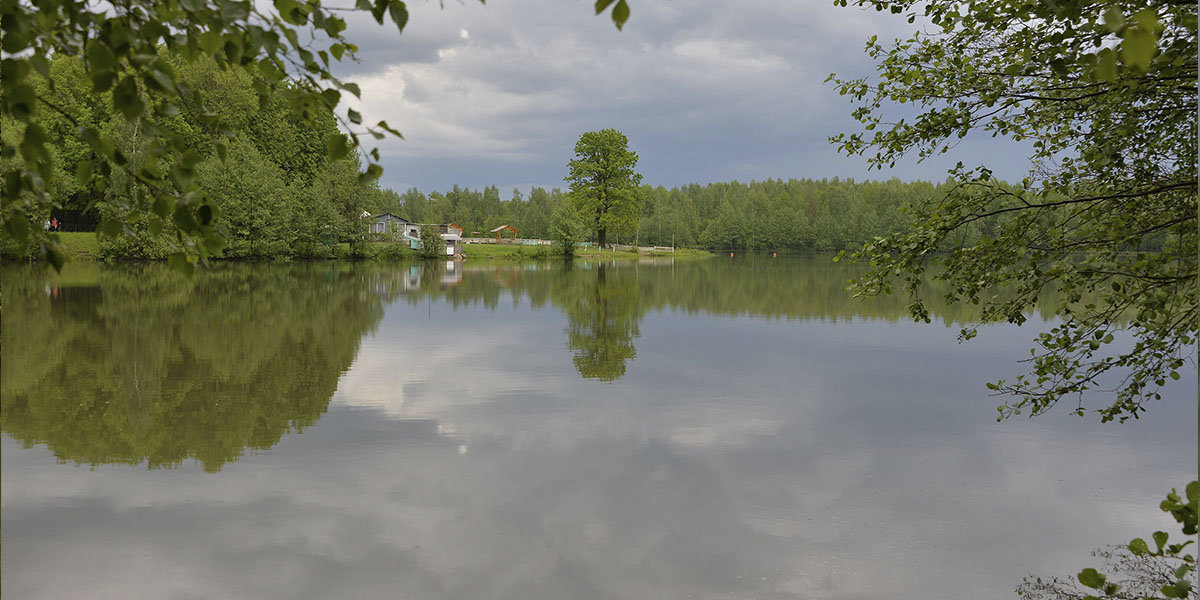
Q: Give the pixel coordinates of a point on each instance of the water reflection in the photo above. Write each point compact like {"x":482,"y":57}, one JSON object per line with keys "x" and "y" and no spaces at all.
{"x":815,"y":450}
{"x":137,"y":364}
{"x":603,"y":316}
{"x":133,"y":364}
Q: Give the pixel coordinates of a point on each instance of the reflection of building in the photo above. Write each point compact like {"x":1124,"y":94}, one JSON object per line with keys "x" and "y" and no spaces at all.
{"x":453,"y":274}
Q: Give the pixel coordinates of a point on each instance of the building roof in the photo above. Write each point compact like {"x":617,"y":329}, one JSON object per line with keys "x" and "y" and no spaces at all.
{"x":508,"y":227}
{"x":397,"y":217}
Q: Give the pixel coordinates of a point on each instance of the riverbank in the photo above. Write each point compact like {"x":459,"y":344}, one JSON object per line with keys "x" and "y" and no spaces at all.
{"x":85,"y":247}
{"x":516,"y":252}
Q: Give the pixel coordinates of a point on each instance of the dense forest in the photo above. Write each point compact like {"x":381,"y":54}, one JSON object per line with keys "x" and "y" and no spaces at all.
{"x":267,"y":171}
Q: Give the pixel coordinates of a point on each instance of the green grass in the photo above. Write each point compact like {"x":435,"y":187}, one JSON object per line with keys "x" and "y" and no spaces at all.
{"x":512,"y":252}
{"x":80,"y":246}
{"x":84,"y":247}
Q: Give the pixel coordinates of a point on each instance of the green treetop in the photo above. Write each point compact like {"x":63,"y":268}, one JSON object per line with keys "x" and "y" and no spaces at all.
{"x":604,"y":182}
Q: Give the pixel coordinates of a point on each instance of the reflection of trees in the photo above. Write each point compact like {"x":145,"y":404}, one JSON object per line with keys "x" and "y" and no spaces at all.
{"x":137,"y":364}
{"x":603,"y":316}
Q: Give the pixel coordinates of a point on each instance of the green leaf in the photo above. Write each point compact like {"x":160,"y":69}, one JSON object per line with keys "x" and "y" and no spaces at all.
{"x":110,"y":227}
{"x":162,"y":206}
{"x":1160,"y":539}
{"x":179,"y":262}
{"x":1138,"y":547}
{"x":1106,"y":66}
{"x":126,"y":99}
{"x":22,"y":101}
{"x":1182,"y":587}
{"x":83,"y":172}
{"x":53,"y":255}
{"x":620,"y":13}
{"x":1113,"y":19}
{"x":603,"y":4}
{"x":336,"y":146}
{"x":102,"y":65}
{"x":1091,"y":578}
{"x":331,"y":97}
{"x":399,"y":14}
{"x":372,"y":173}
{"x":18,"y":227}
{"x":384,"y":126}
{"x":1139,"y":43}
{"x":354,"y":116}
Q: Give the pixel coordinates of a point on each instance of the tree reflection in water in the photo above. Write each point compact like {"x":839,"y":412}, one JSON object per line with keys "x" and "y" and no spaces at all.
{"x":134,"y":363}
{"x":602,"y":320}
{"x":137,"y":364}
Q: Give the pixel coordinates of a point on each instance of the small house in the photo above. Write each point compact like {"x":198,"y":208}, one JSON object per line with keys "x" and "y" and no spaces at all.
{"x":387,"y":222}
{"x":451,"y":233}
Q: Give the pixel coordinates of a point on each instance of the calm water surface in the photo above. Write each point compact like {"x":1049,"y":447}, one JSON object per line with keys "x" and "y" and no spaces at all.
{"x":713,"y":429}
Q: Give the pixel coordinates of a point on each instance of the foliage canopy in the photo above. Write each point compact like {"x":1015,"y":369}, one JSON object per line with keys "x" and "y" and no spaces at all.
{"x":1104,"y":96}
{"x":604,"y":182}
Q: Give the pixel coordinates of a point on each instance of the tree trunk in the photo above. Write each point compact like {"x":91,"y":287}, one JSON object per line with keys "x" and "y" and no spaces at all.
{"x":603,"y":237}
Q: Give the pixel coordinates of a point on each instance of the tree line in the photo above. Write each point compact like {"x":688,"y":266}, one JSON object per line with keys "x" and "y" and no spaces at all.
{"x":272,"y":187}
{"x":796,"y":214}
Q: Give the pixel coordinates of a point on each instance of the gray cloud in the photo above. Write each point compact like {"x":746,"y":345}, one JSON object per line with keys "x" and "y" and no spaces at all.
{"x":706,"y":91}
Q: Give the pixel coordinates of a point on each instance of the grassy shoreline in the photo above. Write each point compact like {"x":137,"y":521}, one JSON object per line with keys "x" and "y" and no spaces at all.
{"x":85,"y":247}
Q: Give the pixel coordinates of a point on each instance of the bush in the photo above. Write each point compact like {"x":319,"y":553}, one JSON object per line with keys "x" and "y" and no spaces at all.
{"x":432,"y":244}
{"x":392,"y":251}
{"x":567,"y":229}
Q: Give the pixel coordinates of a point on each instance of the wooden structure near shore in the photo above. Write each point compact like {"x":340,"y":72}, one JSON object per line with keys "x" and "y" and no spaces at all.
{"x":513,"y":231}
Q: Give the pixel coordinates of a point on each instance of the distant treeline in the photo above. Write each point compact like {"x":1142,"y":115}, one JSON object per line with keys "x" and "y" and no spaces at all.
{"x":798,"y":214}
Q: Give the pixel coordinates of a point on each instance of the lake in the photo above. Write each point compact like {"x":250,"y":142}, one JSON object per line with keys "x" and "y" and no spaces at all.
{"x":722,"y":428}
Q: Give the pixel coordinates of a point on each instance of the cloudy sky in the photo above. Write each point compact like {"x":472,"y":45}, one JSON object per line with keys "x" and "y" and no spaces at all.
{"x":705,"y":90}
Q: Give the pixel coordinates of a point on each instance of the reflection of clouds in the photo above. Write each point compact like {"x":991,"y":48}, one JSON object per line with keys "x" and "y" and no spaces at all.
{"x":810,"y":460}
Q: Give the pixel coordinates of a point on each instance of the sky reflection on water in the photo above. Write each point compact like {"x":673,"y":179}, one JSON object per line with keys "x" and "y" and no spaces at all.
{"x":463,"y":455}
